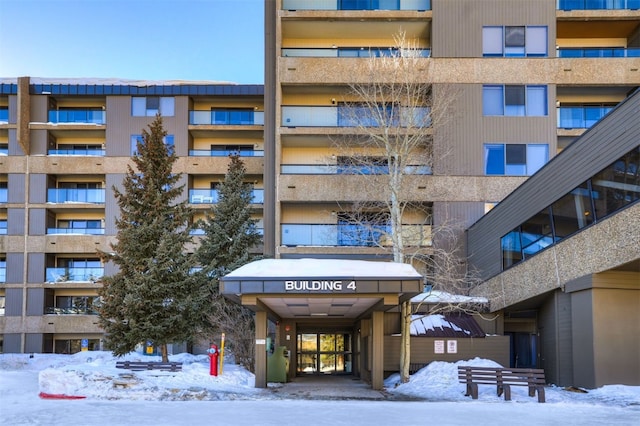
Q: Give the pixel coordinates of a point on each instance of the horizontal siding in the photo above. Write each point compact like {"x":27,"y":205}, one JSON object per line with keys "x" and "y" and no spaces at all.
{"x":495,"y":348}
{"x":613,"y":136}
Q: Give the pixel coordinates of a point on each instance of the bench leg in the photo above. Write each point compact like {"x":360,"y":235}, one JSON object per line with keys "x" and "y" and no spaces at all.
{"x":541,"y":397}
{"x":507,"y":392}
{"x":472,"y":390}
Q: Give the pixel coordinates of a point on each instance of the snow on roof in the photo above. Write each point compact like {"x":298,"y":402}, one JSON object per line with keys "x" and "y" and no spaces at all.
{"x":309,"y":268}
{"x":436,"y":296}
{"x":113,"y":81}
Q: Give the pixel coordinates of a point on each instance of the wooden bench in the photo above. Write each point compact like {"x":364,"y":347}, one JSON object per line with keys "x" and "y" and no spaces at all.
{"x":503,"y":379}
{"x":141,"y":366}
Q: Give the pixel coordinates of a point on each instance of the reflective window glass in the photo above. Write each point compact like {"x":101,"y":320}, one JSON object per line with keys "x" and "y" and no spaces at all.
{"x":572,"y":212}
{"x":494,"y":159}
{"x":492,"y":100}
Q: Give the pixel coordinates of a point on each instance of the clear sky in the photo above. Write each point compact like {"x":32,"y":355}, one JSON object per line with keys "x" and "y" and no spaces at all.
{"x":215,"y":40}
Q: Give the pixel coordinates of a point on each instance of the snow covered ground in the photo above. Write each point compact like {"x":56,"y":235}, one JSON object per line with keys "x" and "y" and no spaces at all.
{"x":120,"y":397}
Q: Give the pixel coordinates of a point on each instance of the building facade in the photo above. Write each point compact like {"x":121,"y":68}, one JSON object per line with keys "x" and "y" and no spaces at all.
{"x":529,"y":78}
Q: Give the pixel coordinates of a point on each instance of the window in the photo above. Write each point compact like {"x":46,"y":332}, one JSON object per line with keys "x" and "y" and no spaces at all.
{"x":514,"y":159}
{"x":149,"y":106}
{"x":514,"y":100}
{"x":3,"y":226}
{"x":168,"y":140}
{"x":514,"y":41}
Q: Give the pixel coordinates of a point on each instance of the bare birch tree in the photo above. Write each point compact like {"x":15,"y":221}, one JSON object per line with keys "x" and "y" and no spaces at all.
{"x":394,"y":114}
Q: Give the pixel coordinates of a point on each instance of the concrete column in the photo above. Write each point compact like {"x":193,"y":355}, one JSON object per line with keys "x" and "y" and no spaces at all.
{"x":261,"y":349}
{"x":377,"y":352}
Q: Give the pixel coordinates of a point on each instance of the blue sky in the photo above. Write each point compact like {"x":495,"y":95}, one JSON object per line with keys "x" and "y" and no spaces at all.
{"x":219,"y":40}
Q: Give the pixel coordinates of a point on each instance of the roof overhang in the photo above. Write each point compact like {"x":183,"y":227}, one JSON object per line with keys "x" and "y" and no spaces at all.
{"x":321,"y":288}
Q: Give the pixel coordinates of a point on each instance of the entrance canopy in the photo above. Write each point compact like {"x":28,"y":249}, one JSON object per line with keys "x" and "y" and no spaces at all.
{"x":311,"y":288}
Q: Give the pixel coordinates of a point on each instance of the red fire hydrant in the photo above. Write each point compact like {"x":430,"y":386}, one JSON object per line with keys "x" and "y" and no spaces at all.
{"x":213,"y":359}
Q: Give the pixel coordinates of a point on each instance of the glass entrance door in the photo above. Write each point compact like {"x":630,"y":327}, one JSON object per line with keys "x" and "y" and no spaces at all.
{"x":324,"y":353}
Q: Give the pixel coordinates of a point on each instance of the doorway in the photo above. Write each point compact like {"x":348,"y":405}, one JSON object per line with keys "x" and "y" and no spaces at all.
{"x":326,"y":353}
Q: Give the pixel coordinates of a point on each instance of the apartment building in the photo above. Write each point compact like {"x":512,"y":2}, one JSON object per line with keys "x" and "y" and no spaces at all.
{"x":66,"y":143}
{"x":530,"y":77}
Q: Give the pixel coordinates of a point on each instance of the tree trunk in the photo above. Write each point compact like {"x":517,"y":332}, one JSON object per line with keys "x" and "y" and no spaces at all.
{"x":405,"y":344}
{"x":163,"y":351}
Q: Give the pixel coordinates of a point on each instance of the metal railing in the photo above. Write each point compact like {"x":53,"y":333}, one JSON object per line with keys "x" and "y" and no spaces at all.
{"x":78,"y":152}
{"x":353,"y":116}
{"x":351,"y":235}
{"x":230,"y":117}
{"x":581,"y":117}
{"x":598,"y":52}
{"x":88,"y":116}
{"x":598,"y":4}
{"x":347,"y":52}
{"x":356,"y":4}
{"x":210,"y":196}
{"x":94,"y":196}
{"x":225,"y":153}
{"x":57,"y":275}
{"x":334,"y":169}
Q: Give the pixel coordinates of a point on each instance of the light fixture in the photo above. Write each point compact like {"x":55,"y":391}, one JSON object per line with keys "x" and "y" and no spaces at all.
{"x":333,"y":101}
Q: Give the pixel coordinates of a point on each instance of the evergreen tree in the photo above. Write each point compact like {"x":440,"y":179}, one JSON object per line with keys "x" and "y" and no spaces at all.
{"x":229,"y":229}
{"x":154,"y":296}
{"x":229,"y":234}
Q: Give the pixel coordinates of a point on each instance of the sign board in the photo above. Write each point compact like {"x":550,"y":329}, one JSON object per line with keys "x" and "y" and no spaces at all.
{"x":84,"y":343}
{"x":438,"y":346}
{"x":261,"y":341}
{"x":452,"y":346}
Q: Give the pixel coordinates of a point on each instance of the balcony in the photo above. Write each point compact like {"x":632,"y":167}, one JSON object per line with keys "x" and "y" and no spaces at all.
{"x":335,"y":169}
{"x":344,"y":52}
{"x":82,"y":116}
{"x":58,"y":275}
{"x":598,"y":4}
{"x":225,"y":153}
{"x":75,"y":231}
{"x":4,"y":115}
{"x":581,"y":117}
{"x":90,"y":196}
{"x":599,"y":52}
{"x":350,"y":116}
{"x":356,"y":4}
{"x":227,"y":117}
{"x":210,"y":196}
{"x":3,"y":275}
{"x":4,"y":195}
{"x":349,"y":235}
{"x":88,"y":151}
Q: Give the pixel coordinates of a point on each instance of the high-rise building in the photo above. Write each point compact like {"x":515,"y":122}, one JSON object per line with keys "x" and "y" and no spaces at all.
{"x":527,"y":78}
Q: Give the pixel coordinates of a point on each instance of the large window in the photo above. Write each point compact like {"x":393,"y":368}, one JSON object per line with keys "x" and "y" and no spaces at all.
{"x":613,"y":188}
{"x":514,"y":159}
{"x":514,"y":41}
{"x":149,"y":106}
{"x":514,"y":100}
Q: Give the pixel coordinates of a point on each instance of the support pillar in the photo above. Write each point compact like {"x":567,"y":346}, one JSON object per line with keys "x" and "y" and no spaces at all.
{"x":377,"y":352}
{"x":261,"y":349}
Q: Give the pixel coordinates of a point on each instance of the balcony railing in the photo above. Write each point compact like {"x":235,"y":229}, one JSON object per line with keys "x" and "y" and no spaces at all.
{"x":225,"y":153}
{"x":77,"y":231}
{"x":210,"y":196}
{"x":3,"y":275}
{"x":350,"y":116}
{"x":334,"y":169}
{"x":599,"y":52}
{"x":356,"y":4}
{"x":94,"y":196}
{"x":347,"y":235}
{"x":4,"y":115}
{"x":346,"y":52}
{"x":230,"y":117}
{"x":78,"y":152}
{"x":581,"y":117}
{"x":4,"y":195}
{"x":199,"y":231}
{"x":57,"y":275}
{"x":70,"y":311}
{"x":88,"y":116}
{"x":598,"y":4}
